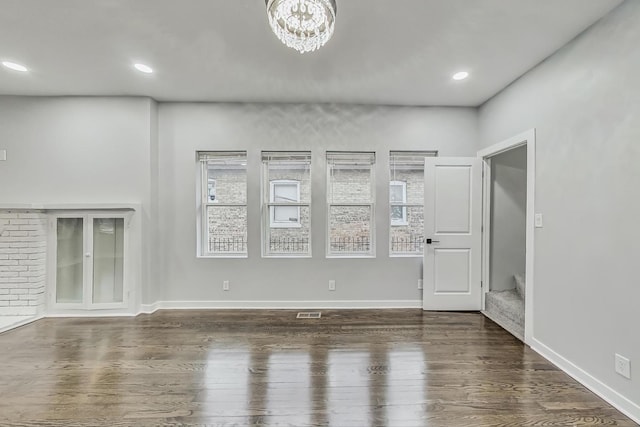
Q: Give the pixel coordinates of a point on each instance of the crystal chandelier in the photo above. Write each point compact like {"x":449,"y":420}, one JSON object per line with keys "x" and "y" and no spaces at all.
{"x":304,"y":25}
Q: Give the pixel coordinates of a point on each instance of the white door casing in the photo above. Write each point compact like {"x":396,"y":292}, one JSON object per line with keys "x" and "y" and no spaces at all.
{"x":529,"y":138}
{"x":452,"y":220}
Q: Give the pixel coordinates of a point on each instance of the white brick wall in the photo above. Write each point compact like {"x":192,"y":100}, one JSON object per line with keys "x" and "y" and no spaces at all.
{"x":23,"y":261}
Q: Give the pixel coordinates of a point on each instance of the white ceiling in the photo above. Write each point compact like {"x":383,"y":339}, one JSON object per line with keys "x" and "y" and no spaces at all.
{"x":396,"y":52}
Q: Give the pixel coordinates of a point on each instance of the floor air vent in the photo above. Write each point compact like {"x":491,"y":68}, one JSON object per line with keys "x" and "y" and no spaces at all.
{"x":309,"y":315}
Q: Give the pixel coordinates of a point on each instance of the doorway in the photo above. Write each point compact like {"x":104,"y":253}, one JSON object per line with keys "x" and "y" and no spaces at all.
{"x":507,"y":237}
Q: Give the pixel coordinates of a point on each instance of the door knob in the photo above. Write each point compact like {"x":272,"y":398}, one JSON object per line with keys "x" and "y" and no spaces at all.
{"x":88,"y":254}
{"x":430,"y":241}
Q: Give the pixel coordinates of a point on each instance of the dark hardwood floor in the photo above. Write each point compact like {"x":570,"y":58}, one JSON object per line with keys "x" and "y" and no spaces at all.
{"x":238,"y":368}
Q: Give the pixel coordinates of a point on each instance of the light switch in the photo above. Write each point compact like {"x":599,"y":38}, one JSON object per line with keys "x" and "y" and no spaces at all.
{"x":3,"y":155}
{"x":538,"y":220}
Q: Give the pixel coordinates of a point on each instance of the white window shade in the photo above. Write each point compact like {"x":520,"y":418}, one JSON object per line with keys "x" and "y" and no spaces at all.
{"x":350,"y":158}
{"x":291,"y":158}
{"x":409,"y":159}
{"x":223,"y":157}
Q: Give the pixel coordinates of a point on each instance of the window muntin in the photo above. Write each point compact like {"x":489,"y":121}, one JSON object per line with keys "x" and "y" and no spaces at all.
{"x":224,"y":203}
{"x":350,"y":204}
{"x":406,"y":202}
{"x":286,"y":210}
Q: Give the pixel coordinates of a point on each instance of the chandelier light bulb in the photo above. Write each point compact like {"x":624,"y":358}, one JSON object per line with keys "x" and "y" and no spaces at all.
{"x":304,"y":25}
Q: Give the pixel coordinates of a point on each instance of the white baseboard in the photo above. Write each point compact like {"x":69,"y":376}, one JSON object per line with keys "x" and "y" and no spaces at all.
{"x":149,"y":308}
{"x":265,"y":305}
{"x":90,"y":314}
{"x":21,"y":323}
{"x":230,"y":305}
{"x":618,"y":401}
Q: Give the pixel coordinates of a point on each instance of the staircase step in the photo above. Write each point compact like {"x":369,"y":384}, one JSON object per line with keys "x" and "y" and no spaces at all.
{"x":506,"y":308}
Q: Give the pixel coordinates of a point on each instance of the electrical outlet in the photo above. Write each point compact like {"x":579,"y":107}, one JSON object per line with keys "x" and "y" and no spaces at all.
{"x":623,"y":366}
{"x":538,"y":220}
{"x":3,"y":155}
{"x":419,"y":283}
{"x":225,"y":285}
{"x":332,"y":285}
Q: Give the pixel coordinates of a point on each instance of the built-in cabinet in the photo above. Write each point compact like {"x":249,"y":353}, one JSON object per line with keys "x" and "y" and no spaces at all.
{"x":89,"y":260}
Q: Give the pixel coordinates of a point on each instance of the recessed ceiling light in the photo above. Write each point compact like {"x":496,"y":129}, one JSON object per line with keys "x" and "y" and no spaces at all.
{"x":14,"y":66}
{"x":461,"y":75}
{"x":143,"y":68}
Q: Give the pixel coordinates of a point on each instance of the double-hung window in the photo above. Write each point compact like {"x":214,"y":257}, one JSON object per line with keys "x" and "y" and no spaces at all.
{"x":406,"y":202}
{"x":286,"y":204}
{"x":223,"y":218}
{"x":350,"y":203}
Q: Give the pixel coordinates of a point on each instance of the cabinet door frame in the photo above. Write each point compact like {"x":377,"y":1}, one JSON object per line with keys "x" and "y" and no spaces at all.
{"x":89,"y":242}
{"x":87,"y":303}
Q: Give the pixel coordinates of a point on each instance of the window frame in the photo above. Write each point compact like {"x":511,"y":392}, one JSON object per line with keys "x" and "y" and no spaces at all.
{"x":372,"y":203}
{"x":273,"y":206}
{"x":269,"y":205}
{"x":205,"y":159}
{"x":393,"y":154}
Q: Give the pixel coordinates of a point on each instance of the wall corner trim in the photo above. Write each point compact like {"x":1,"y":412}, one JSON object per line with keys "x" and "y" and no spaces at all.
{"x":614,"y":398}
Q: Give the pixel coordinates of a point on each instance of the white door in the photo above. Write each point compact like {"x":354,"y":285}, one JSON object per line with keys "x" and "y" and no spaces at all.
{"x":452,"y":220}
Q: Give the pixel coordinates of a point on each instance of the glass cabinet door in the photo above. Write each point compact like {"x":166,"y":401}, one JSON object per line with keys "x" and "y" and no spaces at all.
{"x":108,"y":260}
{"x":90,"y":261}
{"x":70,"y":260}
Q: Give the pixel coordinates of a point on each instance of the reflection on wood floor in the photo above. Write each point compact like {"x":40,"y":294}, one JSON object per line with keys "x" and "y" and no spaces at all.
{"x":237,"y":368}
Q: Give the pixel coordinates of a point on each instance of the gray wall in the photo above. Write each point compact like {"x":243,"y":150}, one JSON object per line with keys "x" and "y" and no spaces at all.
{"x":583,"y":102}
{"x":508,"y":217}
{"x":185,"y":128}
{"x":79,"y":150}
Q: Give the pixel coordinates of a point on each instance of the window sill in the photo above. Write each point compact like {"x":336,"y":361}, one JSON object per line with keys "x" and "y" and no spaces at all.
{"x":231,"y":256}
{"x":287,"y":256}
{"x":350,"y":256}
